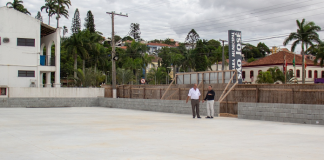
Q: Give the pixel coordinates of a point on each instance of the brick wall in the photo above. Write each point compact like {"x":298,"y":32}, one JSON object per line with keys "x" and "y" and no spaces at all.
{"x":47,"y":102}
{"x":168,"y":106}
{"x":293,"y":113}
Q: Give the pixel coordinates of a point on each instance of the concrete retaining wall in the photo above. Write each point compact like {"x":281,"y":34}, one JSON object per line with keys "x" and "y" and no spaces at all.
{"x":293,"y":113}
{"x":180,"y":107}
{"x":56,"y":92}
{"x":47,"y":102}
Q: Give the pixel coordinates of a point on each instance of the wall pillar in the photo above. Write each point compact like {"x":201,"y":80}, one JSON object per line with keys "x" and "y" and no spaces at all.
{"x":48,"y":80}
{"x":57,"y":41}
{"x":41,"y":85}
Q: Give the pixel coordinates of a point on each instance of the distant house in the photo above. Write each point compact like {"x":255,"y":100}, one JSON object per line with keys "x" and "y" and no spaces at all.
{"x":23,"y":61}
{"x":251,"y":70}
{"x":154,"y":47}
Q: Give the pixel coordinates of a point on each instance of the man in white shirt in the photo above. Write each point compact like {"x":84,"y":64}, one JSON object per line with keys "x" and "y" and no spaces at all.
{"x":194,"y":94}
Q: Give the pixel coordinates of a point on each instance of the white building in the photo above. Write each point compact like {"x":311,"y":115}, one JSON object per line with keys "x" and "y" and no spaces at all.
{"x":22,"y":61}
{"x":153,"y":47}
{"x":251,"y":70}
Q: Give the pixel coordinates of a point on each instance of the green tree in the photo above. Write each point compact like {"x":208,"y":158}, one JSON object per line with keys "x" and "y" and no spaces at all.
{"x":89,"y":22}
{"x":264,"y":49}
{"x":251,"y":60}
{"x":89,"y":78}
{"x":277,"y":74}
{"x":127,"y":38}
{"x":135,"y":31}
{"x":50,"y":9}
{"x":251,"y":51}
{"x":200,"y":52}
{"x":192,"y":38}
{"x":124,"y":76}
{"x":76,"y":22}
{"x":74,"y":46}
{"x":18,"y":5}
{"x":157,"y":76}
{"x":169,"y":42}
{"x":264,"y":77}
{"x":318,"y":51}
{"x":60,"y":6}
{"x":306,"y":35}
{"x":39,"y":16}
{"x":214,"y":43}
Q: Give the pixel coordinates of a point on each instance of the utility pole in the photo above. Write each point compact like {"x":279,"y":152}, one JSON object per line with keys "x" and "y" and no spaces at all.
{"x":113,"y":58}
{"x":223,"y":56}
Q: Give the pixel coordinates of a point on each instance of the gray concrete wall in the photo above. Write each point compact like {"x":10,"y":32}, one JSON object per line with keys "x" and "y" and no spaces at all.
{"x":293,"y":113}
{"x":180,"y":107}
{"x":47,"y":102}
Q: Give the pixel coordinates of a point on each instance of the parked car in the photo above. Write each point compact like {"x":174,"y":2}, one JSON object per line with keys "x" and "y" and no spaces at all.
{"x":319,"y":80}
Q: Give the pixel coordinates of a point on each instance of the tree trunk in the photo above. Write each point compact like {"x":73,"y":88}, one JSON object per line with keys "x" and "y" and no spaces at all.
{"x":83,"y":65}
{"x":303,"y":64}
{"x":75,"y":65}
{"x":58,"y":16}
{"x":49,"y":20}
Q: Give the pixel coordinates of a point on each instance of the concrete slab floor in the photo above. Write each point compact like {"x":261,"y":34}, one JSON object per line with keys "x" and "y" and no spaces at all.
{"x":104,"y":133}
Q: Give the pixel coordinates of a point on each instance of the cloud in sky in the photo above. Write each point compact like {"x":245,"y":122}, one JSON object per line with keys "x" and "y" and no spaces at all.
{"x":160,"y":19}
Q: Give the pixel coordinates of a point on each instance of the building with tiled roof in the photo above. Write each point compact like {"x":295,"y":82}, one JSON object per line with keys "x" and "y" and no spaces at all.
{"x":251,"y":70}
{"x":153,"y":47}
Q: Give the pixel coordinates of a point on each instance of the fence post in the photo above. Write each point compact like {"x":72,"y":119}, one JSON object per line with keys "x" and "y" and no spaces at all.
{"x":293,"y":95}
{"x":179,"y":94}
{"x":123,"y":91}
{"x":143,"y":93}
{"x":203,"y":86}
{"x":130,"y":90}
{"x":257,"y":95}
{"x":223,"y":77}
{"x":160,"y":93}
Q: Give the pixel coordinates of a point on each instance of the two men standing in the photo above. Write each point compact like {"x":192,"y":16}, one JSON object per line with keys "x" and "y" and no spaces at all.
{"x":194,"y":95}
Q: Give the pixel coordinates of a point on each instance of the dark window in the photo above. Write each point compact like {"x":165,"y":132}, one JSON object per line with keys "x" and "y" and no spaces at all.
{"x":26,"y":73}
{"x":251,"y":74}
{"x":315,"y":74}
{"x":298,"y":73}
{"x":243,"y":74}
{"x":25,"y":42}
{"x":3,"y":91}
{"x":309,"y":74}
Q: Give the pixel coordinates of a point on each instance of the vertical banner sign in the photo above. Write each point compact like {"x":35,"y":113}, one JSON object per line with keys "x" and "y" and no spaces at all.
{"x":235,"y":53}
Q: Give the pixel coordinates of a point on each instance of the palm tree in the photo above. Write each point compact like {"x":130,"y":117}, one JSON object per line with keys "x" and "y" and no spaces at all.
{"x":318,"y":51}
{"x":61,"y":10}
{"x":50,"y":9}
{"x":18,"y":5}
{"x":74,"y":46}
{"x":277,"y":74}
{"x":306,"y":34}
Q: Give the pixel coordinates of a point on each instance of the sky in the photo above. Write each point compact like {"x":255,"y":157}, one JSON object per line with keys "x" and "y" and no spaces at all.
{"x":161,"y":19}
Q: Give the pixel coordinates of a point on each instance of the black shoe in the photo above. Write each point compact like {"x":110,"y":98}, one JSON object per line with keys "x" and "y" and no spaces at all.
{"x":207,"y":117}
{"x":211,"y":117}
{"x":199,"y":117}
{"x":193,"y":117}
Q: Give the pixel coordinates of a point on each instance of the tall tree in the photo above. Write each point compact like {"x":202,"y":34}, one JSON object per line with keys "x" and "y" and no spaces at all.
{"x":318,"y":51}
{"x":76,"y":22}
{"x":60,"y":5}
{"x":50,"y":9}
{"x":306,"y":34}
{"x":135,"y":31}
{"x":39,"y":16}
{"x":192,"y":38}
{"x":89,"y":22}
{"x":74,"y":46}
{"x":18,"y":5}
{"x":264,"y":49}
{"x":65,"y":30}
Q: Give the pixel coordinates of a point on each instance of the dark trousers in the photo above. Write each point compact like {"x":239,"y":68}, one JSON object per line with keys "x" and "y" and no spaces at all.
{"x":195,"y":107}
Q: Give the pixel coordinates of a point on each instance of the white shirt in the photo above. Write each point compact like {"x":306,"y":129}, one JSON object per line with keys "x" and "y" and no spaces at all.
{"x":194,"y":94}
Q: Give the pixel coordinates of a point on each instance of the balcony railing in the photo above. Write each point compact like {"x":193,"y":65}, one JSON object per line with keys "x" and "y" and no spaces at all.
{"x":47,"y":60}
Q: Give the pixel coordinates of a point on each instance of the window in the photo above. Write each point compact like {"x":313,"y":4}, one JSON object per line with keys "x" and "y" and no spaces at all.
{"x":3,"y":91}
{"x":259,"y":72}
{"x":25,"y":42}
{"x":298,"y":73}
{"x":243,"y":75}
{"x":310,"y":74}
{"x":251,"y":74}
{"x":26,"y":73}
{"x":315,"y":74}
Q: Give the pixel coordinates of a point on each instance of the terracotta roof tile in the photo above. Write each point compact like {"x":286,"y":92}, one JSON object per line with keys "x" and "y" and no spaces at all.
{"x":159,"y":44}
{"x":278,"y":59}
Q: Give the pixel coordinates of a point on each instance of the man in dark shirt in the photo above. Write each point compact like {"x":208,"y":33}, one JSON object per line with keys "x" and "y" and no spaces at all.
{"x":210,"y":102}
